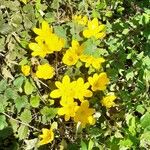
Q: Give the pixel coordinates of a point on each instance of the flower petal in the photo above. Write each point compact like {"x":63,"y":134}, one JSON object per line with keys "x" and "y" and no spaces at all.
{"x":66,"y":79}
{"x":55,"y":94}
{"x":61,"y":111}
{"x":87,"y":33}
{"x":37,"y":31}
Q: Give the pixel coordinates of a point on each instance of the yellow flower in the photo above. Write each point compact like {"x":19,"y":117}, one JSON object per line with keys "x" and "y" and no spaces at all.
{"x":108,"y":101}
{"x":47,"y":136}
{"x":91,"y":120}
{"x":45,"y":71}
{"x":25,"y":70}
{"x":47,"y":41}
{"x":90,"y":60}
{"x":44,"y":32}
{"x":99,"y":82}
{"x":54,"y":42}
{"x":68,"y":110}
{"x":81,"y":89}
{"x":65,"y":91}
{"x":95,"y":30}
{"x":80,"y":20}
{"x":70,"y":58}
{"x":84,"y":114}
{"x":77,"y":48}
{"x":72,"y":55}
{"x":39,"y":49}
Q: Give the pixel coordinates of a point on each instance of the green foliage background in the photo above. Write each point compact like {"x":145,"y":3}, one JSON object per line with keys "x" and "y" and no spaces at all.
{"x":25,"y":107}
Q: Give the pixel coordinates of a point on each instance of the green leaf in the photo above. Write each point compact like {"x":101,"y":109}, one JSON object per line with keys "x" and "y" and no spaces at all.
{"x":90,"y":47}
{"x":55,"y":4}
{"x":6,"y":29}
{"x":27,"y":23}
{"x":126,"y":143}
{"x":3,"y":122}
{"x":14,"y":3}
{"x":31,"y":144}
{"x":2,"y":44}
{"x":145,"y":120}
{"x":145,"y":139}
{"x":19,"y":81}
{"x":54,"y":125}
{"x":145,"y":18}
{"x":130,"y":120}
{"x":23,"y":132}
{"x":83,"y":145}
{"x":28,"y":87}
{"x":125,"y":31}
{"x":14,"y":125}
{"x":60,"y":31}
{"x":140,"y":109}
{"x":27,"y":8}
{"x":3,"y":102}
{"x":1,"y":108}
{"x":49,"y":17}
{"x":109,"y":13}
{"x":26,"y":116}
{"x":130,"y":75}
{"x":23,"y":61}
{"x":35,"y":101}
{"x":3,"y":85}
{"x":16,"y":19}
{"x":91,"y":145}
{"x":50,"y":113}
{"x":21,"y":102}
{"x":10,"y":93}
{"x":146,"y":60}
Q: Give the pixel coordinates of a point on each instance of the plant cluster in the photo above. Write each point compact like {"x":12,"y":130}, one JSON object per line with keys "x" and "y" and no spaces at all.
{"x":75,"y":74}
{"x":73,"y":94}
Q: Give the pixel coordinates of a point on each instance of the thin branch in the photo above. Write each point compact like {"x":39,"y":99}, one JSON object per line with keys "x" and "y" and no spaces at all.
{"x":20,"y":122}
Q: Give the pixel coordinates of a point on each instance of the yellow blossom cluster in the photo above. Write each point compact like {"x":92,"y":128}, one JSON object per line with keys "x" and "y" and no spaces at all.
{"x":98,"y":82}
{"x":108,"y":101}
{"x":95,"y":30}
{"x":73,"y":95}
{"x":75,"y":53}
{"x":46,"y":41}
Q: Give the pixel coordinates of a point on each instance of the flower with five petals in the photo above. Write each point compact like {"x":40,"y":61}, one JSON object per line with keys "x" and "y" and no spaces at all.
{"x":66,"y":90}
{"x":98,"y":82}
{"x":84,"y":114}
{"x":95,"y":30}
{"x":108,"y":101}
{"x":47,"y":136}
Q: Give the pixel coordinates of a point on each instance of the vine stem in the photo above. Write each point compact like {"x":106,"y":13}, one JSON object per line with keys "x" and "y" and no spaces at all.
{"x":20,"y":122}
